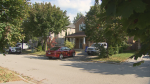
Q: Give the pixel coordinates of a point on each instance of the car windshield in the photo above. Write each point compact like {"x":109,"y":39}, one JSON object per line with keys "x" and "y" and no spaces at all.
{"x":55,"y":48}
{"x":94,"y":45}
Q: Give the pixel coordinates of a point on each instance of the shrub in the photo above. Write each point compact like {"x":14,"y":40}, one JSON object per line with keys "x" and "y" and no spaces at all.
{"x":116,"y":49}
{"x":69,"y":44}
{"x":39,"y":48}
{"x":110,"y":50}
{"x":121,"y":49}
{"x":102,"y":51}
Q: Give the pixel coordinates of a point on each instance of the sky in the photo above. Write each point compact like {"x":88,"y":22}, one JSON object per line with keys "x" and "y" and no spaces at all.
{"x":71,"y":6}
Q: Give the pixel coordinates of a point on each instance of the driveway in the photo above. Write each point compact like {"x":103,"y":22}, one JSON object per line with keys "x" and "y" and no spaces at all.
{"x":75,"y":71}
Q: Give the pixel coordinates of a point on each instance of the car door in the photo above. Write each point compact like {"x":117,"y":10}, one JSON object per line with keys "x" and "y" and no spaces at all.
{"x":69,"y":51}
{"x":66,"y":51}
{"x":62,"y":50}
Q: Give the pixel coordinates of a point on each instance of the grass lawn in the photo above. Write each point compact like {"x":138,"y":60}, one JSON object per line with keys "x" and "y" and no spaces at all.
{"x":7,"y":75}
{"x":29,"y":51}
{"x":116,"y":58}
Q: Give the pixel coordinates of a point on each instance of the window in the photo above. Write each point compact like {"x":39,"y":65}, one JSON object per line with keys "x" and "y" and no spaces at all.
{"x":62,"y":48}
{"x":55,"y":48}
{"x":81,"y":26}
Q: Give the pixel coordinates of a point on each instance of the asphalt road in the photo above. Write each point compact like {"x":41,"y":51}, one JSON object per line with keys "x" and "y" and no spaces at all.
{"x":73,"y":71}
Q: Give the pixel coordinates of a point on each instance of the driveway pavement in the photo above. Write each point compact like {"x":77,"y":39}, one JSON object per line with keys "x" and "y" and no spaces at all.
{"x":73,"y":70}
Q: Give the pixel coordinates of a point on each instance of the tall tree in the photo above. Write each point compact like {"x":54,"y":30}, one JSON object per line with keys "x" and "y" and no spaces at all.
{"x":98,"y":30}
{"x":12,"y":14}
{"x":134,"y":19}
{"x":78,"y":16}
{"x":45,"y":18}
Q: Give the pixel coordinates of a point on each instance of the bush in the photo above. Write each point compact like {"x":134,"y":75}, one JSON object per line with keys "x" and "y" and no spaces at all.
{"x":116,"y":49}
{"x":39,"y":48}
{"x":102,"y":51}
{"x":121,"y":49}
{"x":69,"y":44}
{"x":110,"y":50}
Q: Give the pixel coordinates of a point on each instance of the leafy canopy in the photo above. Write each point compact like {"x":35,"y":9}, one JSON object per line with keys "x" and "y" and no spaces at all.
{"x":45,"y":18}
{"x":134,"y":19}
{"x":98,"y":30}
{"x":12,"y":14}
{"x":77,"y":17}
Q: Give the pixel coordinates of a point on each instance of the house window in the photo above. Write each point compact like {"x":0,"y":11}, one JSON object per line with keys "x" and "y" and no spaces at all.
{"x":81,"y":26}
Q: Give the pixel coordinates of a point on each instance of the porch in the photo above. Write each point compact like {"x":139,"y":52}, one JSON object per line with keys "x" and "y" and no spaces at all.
{"x":79,"y":39}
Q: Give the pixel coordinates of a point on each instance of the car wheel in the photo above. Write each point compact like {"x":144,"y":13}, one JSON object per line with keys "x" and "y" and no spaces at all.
{"x":73,"y":54}
{"x":61,"y":56}
{"x":88,"y":53}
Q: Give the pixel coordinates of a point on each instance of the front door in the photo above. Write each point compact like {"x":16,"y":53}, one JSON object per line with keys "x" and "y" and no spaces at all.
{"x":80,"y":43}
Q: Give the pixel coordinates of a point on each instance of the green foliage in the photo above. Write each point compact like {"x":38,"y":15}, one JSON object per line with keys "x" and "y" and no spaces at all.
{"x":116,"y":49}
{"x":45,"y":18}
{"x":110,"y":50}
{"x":12,"y":14}
{"x":103,"y":51}
{"x":69,"y":44}
{"x":39,"y":48}
{"x":77,"y":17}
{"x":134,"y":18}
{"x":98,"y":30}
{"x":138,"y":63}
{"x":120,"y":49}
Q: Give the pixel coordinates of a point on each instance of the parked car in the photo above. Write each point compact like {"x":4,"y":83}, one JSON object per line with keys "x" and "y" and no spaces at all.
{"x":25,"y":45}
{"x":93,"y":49}
{"x":60,"y":52}
{"x":14,"y":50}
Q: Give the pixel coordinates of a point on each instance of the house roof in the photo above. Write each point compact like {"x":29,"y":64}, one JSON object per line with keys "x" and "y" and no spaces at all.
{"x":78,"y":19}
{"x":71,"y":25}
{"x":78,"y":34}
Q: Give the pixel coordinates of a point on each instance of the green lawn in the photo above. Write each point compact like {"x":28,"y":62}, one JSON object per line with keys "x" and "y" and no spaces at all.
{"x":29,"y":51}
{"x":116,"y":58}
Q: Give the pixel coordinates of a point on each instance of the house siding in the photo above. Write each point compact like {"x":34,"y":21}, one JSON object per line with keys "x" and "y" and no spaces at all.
{"x":77,"y":24}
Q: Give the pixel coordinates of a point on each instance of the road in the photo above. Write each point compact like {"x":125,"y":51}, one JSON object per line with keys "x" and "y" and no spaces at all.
{"x":73,"y":71}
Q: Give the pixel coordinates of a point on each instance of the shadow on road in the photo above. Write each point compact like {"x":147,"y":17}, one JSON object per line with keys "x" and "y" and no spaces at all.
{"x":118,"y":69}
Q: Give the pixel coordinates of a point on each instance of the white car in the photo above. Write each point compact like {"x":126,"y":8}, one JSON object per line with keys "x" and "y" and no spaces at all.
{"x":25,"y":45}
{"x":92,"y":49}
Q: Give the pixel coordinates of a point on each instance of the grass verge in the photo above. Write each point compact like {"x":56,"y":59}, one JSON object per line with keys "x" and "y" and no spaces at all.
{"x":116,"y":58}
{"x":29,"y":51}
{"x":7,"y":75}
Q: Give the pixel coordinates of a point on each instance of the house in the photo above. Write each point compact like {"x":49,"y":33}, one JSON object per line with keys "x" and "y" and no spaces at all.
{"x":60,"y":38}
{"x":79,"y":37}
{"x":81,"y":41}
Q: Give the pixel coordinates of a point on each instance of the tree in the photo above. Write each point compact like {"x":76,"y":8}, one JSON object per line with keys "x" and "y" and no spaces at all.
{"x":134,"y":19}
{"x":45,"y":18}
{"x":51,"y":42}
{"x":98,"y":30}
{"x":12,"y":14}
{"x":78,"y":16}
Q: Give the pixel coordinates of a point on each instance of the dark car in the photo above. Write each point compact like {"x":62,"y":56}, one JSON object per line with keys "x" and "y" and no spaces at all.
{"x":60,"y":52}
